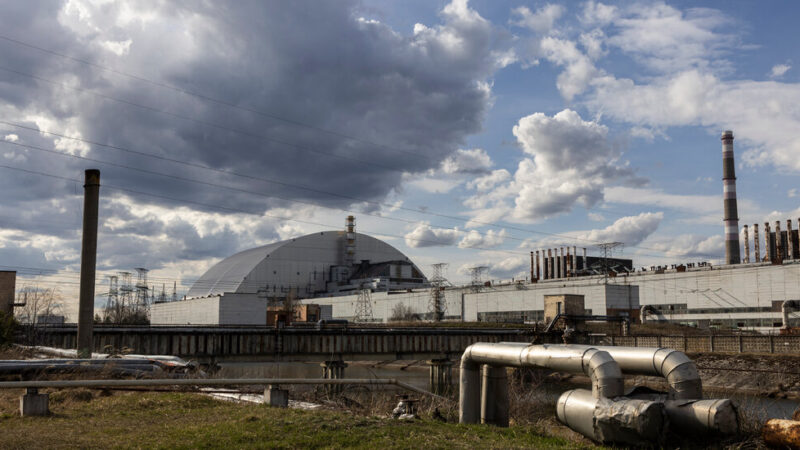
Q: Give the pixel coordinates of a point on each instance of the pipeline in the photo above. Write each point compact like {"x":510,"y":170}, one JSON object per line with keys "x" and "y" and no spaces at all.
{"x":786,"y":308}
{"x":604,"y":372}
{"x":679,"y":371}
{"x":602,"y":414}
{"x":645,"y":310}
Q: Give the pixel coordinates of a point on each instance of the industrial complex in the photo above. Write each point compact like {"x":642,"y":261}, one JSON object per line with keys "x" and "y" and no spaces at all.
{"x":357,"y":277}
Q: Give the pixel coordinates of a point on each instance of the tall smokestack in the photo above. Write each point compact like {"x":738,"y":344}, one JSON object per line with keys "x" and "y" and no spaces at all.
{"x":778,"y":242}
{"x":789,"y":240}
{"x":729,"y":198}
{"x":746,"y":245}
{"x":91,"y":199}
{"x":756,"y":243}
{"x":767,"y":243}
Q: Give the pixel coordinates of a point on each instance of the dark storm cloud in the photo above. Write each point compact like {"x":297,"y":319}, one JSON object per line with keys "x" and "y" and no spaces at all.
{"x":410,"y":99}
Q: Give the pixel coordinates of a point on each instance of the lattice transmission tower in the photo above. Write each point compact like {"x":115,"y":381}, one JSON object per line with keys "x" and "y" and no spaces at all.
{"x":364,"y":306}
{"x":437,"y":305}
{"x":607,"y":248}
{"x":476,"y":273}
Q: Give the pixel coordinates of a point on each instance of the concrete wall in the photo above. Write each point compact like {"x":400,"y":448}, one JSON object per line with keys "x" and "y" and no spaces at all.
{"x":199,"y":311}
{"x":230,"y":309}
{"x":242,"y":310}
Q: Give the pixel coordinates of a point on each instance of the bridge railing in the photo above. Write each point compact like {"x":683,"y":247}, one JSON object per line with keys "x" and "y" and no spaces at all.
{"x":709,"y":343}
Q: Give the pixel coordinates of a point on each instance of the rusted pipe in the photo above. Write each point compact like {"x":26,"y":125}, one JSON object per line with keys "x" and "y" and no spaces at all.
{"x":782,"y":433}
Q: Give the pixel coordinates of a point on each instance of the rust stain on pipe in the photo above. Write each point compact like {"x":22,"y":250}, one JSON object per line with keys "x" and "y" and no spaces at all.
{"x":782,"y":433}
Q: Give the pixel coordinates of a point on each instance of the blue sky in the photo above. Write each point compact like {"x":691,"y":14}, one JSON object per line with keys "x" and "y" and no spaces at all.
{"x":462,"y":132}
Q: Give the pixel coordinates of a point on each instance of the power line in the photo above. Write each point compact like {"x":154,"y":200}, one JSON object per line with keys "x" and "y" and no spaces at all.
{"x":210,"y":99}
{"x":232,"y":173}
{"x":200,"y":121}
{"x":238,"y":210}
{"x":261,"y":194}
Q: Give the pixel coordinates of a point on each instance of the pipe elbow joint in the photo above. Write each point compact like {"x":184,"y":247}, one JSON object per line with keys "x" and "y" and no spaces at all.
{"x":681,"y":374}
{"x":605,"y":373}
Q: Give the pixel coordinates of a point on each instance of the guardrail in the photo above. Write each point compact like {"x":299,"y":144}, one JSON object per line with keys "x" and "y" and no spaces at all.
{"x":35,"y":404}
{"x":708,"y":343}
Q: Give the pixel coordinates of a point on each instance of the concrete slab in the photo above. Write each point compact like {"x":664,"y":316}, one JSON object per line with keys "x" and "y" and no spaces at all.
{"x":34,"y":404}
{"x":275,"y":396}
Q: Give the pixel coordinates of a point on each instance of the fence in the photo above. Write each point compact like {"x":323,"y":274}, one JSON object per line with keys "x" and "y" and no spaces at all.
{"x":710,"y":343}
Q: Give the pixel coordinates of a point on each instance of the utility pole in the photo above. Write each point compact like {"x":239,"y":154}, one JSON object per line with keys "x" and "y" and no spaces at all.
{"x":607,"y":248}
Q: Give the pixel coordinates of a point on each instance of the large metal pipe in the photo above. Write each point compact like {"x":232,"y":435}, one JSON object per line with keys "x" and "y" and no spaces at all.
{"x":731,"y":218}
{"x":680,"y":371}
{"x":701,"y":416}
{"x":627,"y":421}
{"x":91,"y":200}
{"x":596,"y":364}
{"x":786,"y":308}
{"x":494,"y":395}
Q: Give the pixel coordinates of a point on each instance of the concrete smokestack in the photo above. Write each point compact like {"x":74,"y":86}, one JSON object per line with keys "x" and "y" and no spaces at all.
{"x":548,"y":266}
{"x":746,"y":245}
{"x":756,"y":243}
{"x":789,"y":240}
{"x":91,"y":199}
{"x":574,"y":260}
{"x":778,"y":242}
{"x":767,"y":243}
{"x":729,"y":199}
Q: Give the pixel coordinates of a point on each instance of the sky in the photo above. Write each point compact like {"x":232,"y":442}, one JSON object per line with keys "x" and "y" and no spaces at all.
{"x":469,"y":133}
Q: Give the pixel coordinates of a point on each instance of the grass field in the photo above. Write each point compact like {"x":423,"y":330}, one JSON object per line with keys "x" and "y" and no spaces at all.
{"x":84,"y":419}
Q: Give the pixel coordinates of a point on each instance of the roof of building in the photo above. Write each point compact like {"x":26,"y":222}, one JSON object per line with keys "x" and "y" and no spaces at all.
{"x":237,"y":273}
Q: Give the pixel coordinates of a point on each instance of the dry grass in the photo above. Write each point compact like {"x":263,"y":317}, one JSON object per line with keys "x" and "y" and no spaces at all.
{"x":183,"y":420}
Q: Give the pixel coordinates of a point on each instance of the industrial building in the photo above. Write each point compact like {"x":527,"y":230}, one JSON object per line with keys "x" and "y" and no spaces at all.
{"x":359,"y":278}
{"x":744,"y":293}
{"x":238,"y":289}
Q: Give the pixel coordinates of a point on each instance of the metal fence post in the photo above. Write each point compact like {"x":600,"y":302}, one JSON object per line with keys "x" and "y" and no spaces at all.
{"x":771,"y":343}
{"x":711,"y":343}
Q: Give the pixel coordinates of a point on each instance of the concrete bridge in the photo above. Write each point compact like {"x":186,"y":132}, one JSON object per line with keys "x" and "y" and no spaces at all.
{"x":333,"y":346}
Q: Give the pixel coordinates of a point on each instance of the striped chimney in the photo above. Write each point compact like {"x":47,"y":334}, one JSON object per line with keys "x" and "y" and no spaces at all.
{"x":729,"y":198}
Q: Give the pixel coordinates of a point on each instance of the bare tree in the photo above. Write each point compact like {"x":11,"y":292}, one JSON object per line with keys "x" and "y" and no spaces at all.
{"x":403,"y":313}
{"x":40,"y":304}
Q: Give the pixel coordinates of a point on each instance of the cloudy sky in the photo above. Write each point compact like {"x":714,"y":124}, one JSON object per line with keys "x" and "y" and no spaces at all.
{"x":466,"y":133}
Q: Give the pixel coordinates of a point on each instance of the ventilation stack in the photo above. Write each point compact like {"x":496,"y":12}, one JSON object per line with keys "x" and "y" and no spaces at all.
{"x":350,"y":241}
{"x":729,"y":198}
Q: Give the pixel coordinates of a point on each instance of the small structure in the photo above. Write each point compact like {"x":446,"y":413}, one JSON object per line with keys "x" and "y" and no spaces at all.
{"x":306,"y":313}
{"x":569,"y":304}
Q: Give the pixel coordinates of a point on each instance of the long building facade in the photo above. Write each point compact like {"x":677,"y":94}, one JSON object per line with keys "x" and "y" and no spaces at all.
{"x":733,"y":296}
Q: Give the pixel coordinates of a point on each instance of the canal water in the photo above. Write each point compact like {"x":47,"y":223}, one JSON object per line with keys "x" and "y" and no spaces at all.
{"x":416,"y":374}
